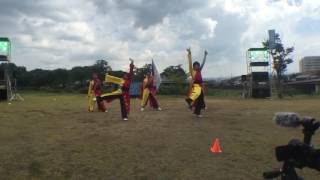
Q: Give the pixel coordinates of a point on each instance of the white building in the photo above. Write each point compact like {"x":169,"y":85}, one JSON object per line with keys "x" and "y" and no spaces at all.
{"x":310,"y":63}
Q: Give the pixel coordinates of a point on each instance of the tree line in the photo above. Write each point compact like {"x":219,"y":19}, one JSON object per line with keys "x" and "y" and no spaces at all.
{"x":77,"y":78}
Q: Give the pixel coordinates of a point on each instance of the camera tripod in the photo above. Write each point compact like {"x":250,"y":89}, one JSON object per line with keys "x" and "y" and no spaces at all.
{"x":288,"y":172}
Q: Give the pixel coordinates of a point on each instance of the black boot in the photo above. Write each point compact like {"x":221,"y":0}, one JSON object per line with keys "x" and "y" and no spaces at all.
{"x":189,"y":102}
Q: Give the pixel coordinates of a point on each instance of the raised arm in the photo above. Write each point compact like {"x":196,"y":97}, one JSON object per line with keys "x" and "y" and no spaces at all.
{"x":130,"y":75}
{"x":204,"y":59}
{"x":190,"y":62}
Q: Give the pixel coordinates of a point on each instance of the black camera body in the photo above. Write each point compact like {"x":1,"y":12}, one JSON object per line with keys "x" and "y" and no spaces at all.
{"x":299,"y":154}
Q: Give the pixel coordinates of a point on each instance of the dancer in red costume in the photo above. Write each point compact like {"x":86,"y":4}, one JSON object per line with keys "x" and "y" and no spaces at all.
{"x":97,"y":91}
{"x":123,"y":93}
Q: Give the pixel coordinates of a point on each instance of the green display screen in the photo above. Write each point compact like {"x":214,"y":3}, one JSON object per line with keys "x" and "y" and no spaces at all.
{"x":258,"y":55}
{"x":4,"y":47}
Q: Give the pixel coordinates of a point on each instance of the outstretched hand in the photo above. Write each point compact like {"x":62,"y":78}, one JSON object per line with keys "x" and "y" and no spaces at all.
{"x":131,"y":60}
{"x":189,"y":50}
{"x":205,"y":52}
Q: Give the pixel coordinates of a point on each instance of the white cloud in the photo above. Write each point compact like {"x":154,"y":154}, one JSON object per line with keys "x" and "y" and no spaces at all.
{"x":62,"y":34}
{"x":210,"y":25}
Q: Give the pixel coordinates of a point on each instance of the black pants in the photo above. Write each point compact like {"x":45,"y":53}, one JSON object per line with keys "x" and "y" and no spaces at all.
{"x":99,"y":100}
{"x":153,"y":101}
{"x":199,"y":104}
{"x":204,"y":104}
{"x":124,"y":113}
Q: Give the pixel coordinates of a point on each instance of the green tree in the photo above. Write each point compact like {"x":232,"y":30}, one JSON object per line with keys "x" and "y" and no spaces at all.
{"x":280,"y":58}
{"x":16,"y":72}
{"x":175,"y":73}
{"x":101,"y":67}
{"x":178,"y":78}
{"x":141,"y":72}
{"x":80,"y":74}
{"x":39,"y":78}
{"x":60,"y":77}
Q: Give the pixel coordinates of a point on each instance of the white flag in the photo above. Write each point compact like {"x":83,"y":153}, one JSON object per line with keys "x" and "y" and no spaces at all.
{"x":156,"y":75}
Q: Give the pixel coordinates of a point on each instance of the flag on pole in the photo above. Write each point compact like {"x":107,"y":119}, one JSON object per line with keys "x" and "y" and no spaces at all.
{"x":156,"y":75}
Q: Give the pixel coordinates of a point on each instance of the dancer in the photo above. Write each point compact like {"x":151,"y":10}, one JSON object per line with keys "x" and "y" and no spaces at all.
{"x":149,"y":91}
{"x":95,"y":89}
{"x":123,"y":93}
{"x":204,"y":107}
{"x":196,"y":96}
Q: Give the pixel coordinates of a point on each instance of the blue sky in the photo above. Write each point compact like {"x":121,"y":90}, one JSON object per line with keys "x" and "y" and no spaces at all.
{"x":63,"y":34}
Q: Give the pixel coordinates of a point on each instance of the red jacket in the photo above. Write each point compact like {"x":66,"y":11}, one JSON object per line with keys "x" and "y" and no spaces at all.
{"x":97,"y":87}
{"x":126,"y":88}
{"x":198,"y":78}
{"x":127,"y":82}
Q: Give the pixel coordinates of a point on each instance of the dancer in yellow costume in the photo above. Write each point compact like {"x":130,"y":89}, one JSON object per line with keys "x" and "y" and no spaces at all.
{"x":194,"y":104}
{"x":94,"y":93}
{"x":196,"y":96}
{"x":149,"y":92}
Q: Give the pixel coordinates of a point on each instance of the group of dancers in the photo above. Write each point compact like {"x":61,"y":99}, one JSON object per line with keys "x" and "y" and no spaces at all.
{"x":195,"y":98}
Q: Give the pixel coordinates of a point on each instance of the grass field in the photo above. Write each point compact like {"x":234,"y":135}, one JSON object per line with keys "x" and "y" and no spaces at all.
{"x":51,"y":136}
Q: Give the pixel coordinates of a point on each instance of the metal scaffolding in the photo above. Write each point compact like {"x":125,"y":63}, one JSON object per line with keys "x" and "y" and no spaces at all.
{"x":8,"y":91}
{"x":259,"y":72}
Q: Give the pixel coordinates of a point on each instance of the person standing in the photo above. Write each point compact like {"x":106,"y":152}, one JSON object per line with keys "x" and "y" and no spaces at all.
{"x":97,"y":90}
{"x":149,"y":92}
{"x":196,"y":95}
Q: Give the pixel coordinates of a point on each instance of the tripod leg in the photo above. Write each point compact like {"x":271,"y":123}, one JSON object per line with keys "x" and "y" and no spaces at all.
{"x":289,"y":172}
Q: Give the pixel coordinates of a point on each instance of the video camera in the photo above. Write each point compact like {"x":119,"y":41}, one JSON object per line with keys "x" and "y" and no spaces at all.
{"x":296,"y":154}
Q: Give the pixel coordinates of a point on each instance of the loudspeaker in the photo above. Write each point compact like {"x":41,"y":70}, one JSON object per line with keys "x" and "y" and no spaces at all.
{"x":261,"y":92}
{"x":3,"y":95}
{"x":260,"y":76}
{"x":3,"y":58}
{"x":2,"y":74}
{"x":243,"y":78}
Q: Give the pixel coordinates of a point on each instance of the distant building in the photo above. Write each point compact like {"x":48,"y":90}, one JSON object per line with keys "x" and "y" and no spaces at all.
{"x":310,"y":63}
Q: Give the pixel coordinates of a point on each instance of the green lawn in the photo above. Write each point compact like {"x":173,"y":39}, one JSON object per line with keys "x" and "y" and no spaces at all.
{"x":52,"y":136}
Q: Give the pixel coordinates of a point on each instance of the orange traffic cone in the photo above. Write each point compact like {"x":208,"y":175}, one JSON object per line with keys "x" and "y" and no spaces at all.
{"x":216,"y":146}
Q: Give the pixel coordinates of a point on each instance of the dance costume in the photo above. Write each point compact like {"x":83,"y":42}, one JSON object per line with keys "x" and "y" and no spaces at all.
{"x":123,"y":93}
{"x":196,"y":95}
{"x":149,"y":92}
